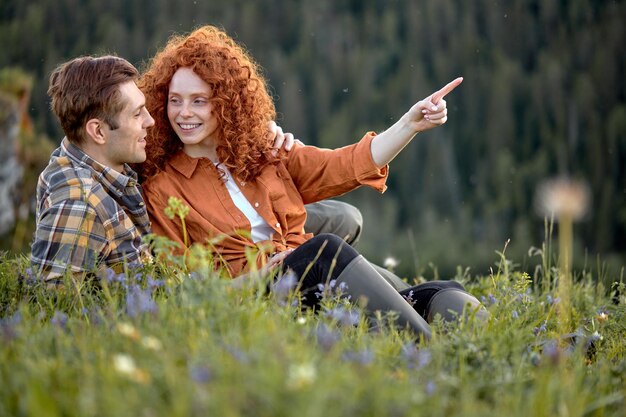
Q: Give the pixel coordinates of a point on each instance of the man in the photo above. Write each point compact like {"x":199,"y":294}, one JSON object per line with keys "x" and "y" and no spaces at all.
{"x":90,"y":212}
{"x":89,"y":205}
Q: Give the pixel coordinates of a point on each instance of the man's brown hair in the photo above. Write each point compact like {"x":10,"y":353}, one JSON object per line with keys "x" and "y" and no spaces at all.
{"x":86,"y":88}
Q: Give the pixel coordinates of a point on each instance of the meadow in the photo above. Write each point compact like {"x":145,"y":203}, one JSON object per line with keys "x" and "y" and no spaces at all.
{"x":161,"y":340}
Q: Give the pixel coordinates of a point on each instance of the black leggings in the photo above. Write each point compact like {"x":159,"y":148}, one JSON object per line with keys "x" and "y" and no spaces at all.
{"x":323,"y":258}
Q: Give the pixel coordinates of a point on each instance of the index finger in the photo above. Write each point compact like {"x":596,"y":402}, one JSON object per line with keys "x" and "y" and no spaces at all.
{"x":446,"y":90}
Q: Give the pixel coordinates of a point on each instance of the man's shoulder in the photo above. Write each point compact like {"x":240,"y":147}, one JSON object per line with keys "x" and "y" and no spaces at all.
{"x":63,"y":180}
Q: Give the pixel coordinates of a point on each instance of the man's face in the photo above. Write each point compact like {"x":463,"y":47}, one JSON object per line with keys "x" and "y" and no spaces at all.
{"x":127,"y":143}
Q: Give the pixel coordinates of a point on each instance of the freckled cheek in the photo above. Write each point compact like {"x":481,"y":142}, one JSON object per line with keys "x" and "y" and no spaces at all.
{"x":171,"y":116}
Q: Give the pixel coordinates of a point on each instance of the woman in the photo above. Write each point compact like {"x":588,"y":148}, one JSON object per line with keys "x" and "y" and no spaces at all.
{"x":209,"y":148}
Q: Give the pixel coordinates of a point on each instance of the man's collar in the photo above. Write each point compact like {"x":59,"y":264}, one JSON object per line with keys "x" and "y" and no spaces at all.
{"x":110,"y":178}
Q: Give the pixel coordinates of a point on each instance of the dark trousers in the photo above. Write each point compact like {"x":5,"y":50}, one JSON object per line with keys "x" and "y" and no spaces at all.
{"x":323,"y":259}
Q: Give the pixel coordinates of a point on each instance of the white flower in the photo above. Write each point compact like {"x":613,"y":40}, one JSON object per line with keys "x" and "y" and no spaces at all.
{"x":562,"y":197}
{"x":152,"y":343}
{"x":128,"y":330}
{"x":301,"y":375}
{"x":390,"y":262}
{"x":124,"y":364}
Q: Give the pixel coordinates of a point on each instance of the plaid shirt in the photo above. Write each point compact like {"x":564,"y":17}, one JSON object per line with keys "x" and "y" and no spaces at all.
{"x":87,"y":215}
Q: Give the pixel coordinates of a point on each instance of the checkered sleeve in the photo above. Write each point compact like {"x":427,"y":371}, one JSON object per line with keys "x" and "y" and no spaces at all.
{"x":69,"y":236}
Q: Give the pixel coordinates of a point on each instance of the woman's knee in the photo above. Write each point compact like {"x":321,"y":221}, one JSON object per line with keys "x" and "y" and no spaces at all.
{"x":325,"y":250}
{"x":329,"y":241}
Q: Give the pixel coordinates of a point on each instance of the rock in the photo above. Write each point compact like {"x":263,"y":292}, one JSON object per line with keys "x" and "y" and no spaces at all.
{"x":11,"y":170}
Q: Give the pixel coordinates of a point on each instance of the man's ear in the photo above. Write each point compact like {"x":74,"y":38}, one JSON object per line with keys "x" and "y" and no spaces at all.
{"x":95,"y":131}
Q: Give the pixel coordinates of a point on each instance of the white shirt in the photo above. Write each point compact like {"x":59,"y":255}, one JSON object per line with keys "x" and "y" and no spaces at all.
{"x":261,"y":230}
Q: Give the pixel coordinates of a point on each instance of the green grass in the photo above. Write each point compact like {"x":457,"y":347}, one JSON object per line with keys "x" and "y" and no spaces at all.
{"x":205,"y":349}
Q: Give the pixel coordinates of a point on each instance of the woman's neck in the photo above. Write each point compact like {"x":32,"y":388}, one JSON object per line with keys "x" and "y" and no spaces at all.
{"x":201,"y":150}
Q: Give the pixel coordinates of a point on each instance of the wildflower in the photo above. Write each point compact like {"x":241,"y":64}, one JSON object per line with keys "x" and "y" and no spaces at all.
{"x":284,"y":287}
{"x":112,"y":277}
{"x":7,"y":326}
{"x":552,"y":301}
{"x":59,"y":319}
{"x":390,"y":263}
{"x":595,"y":336}
{"x":301,"y":376}
{"x":331,"y":289}
{"x":325,"y":290}
{"x":128,"y":330}
{"x":326,"y":337}
{"x":492,"y":299}
{"x":152,"y":343}
{"x":344,"y":316}
{"x":430,"y":387}
{"x":416,"y":358}
{"x":155,"y":283}
{"x":239,"y":355}
{"x":200,"y":374}
{"x":540,"y":329}
{"x":362,"y":357}
{"x":562,"y":198}
{"x":602,"y":316}
{"x":514,"y":314}
{"x":552,"y":352}
{"x":124,"y":364}
{"x":195,"y":275}
{"x":301,"y":320}
{"x":409,"y":298}
{"x":139,"y":301}
{"x":138,"y":277}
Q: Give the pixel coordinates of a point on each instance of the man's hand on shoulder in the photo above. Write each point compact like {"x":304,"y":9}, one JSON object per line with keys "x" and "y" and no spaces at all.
{"x":282,"y":141}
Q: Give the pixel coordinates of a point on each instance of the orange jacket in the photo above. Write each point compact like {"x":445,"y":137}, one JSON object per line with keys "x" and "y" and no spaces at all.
{"x":308,"y":174}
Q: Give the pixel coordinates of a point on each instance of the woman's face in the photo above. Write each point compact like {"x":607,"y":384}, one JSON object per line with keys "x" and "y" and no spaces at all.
{"x":190,"y":111}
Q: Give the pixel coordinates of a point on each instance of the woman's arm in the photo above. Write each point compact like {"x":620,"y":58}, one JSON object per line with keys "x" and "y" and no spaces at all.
{"x":424,"y":115}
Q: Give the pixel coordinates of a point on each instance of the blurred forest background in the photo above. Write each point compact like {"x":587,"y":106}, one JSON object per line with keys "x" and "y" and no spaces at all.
{"x":544,"y":96}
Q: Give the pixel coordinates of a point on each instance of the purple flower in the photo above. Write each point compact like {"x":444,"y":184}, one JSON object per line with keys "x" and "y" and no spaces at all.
{"x":492,"y":299}
{"x":113,"y":277}
{"x":540,"y":329}
{"x":331,"y":289}
{"x":92,"y":315}
{"x":552,"y":301}
{"x":139,"y":301}
{"x":430,"y":387}
{"x":345,"y":317}
{"x":514,"y":314}
{"x":155,"y":283}
{"x":363,"y":357}
{"x":409,"y":298}
{"x":59,"y":319}
{"x":239,"y":355}
{"x":200,"y":374}
{"x":416,"y":358}
{"x":7,"y":326}
{"x":283,"y":288}
{"x":326,"y":337}
{"x":552,"y":352}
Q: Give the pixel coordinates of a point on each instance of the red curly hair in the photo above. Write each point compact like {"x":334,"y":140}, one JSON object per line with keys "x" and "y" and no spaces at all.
{"x":241,"y":102}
